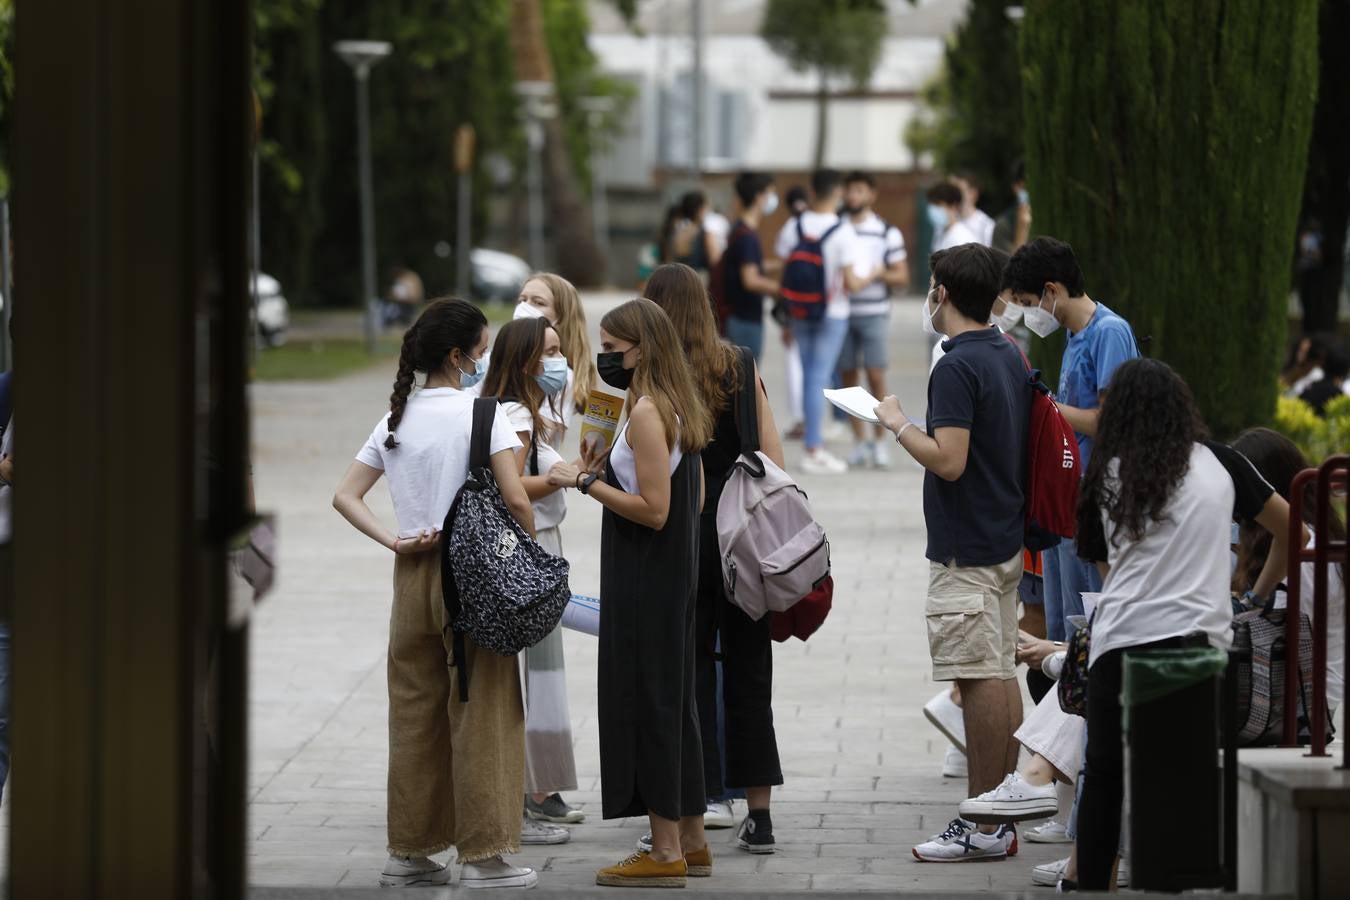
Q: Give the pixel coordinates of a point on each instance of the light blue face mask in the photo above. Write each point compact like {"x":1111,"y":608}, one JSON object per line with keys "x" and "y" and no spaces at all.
{"x":1023,"y":197}
{"x":470,"y":379}
{"x":938,"y":216}
{"x":770,"y":204}
{"x":554,"y":377}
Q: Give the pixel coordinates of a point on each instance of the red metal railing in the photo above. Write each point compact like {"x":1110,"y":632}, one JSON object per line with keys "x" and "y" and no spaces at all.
{"x":1335,"y":470}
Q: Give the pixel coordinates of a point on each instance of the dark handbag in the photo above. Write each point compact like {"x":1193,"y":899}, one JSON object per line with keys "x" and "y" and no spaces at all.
{"x":499,"y":586}
{"x":1073,"y":678}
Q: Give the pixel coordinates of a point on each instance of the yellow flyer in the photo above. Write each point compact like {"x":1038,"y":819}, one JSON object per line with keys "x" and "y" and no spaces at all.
{"x":600,"y":422}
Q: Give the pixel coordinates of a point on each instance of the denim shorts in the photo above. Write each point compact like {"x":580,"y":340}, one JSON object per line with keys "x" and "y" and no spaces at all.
{"x":865,"y":345}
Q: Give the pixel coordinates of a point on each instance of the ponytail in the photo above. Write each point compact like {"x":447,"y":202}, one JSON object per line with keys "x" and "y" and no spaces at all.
{"x":403,"y":385}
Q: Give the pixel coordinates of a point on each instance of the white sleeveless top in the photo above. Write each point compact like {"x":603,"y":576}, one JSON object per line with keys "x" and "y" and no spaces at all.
{"x":625,"y":466}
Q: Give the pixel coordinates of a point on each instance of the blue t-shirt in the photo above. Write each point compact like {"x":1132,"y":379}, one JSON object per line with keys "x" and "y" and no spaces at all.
{"x":743,"y":247}
{"x":980,"y":385}
{"x":1090,"y":359}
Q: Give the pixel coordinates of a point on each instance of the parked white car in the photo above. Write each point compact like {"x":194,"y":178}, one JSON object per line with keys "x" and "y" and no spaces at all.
{"x":495,"y":275}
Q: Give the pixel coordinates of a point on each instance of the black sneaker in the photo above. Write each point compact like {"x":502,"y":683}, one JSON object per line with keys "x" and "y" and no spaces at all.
{"x":756,"y":833}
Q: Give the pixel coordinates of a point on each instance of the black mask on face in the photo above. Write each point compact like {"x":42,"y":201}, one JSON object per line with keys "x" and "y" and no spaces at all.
{"x":610,"y":367}
{"x":852,"y":210}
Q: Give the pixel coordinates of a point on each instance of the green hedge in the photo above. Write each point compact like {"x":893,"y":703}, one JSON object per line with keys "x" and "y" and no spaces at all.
{"x":1166,"y":141}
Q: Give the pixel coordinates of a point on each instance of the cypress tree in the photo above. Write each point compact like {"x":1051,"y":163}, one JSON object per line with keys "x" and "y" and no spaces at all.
{"x":1167,"y":143}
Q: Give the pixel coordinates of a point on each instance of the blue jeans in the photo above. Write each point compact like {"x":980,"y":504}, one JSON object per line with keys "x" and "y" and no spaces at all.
{"x":1066,"y":578}
{"x":747,"y":333}
{"x":819,"y":344}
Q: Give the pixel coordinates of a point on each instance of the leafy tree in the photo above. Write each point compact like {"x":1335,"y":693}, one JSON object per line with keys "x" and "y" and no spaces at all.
{"x":832,"y":37}
{"x":1167,"y":143}
{"x":1326,"y":193}
{"x":972,"y":118}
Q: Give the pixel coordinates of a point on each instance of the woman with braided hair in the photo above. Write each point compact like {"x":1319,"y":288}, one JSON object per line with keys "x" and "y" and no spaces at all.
{"x":456,"y":770}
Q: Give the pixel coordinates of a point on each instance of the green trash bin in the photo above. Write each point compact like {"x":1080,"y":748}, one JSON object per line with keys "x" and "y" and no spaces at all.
{"x":1170,"y":703}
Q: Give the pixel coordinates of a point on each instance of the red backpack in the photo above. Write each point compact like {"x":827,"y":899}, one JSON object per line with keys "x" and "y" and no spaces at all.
{"x":1053,"y":468}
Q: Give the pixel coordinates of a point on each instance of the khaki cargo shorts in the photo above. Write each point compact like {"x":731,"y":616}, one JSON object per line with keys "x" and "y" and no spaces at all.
{"x":972,"y":620}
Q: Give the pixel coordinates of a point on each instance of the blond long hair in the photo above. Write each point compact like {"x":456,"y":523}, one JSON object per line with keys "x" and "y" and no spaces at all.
{"x":663,"y":373}
{"x":572,"y":339}
{"x":716,"y":365}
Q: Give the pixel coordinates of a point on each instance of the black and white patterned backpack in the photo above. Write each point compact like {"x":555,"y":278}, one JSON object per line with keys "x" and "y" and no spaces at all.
{"x":500,"y":587}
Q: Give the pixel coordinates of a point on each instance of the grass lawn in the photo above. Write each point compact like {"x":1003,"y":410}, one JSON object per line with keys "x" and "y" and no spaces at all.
{"x":313,"y":360}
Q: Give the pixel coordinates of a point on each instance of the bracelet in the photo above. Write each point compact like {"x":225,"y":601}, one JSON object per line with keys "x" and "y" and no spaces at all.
{"x":908,"y":424}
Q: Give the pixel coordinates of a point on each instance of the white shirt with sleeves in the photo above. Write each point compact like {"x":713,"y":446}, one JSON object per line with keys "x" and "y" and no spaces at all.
{"x":957,"y":233}
{"x":841,"y":249}
{"x":881,"y":245}
{"x":551,"y":510}
{"x":431,"y":461}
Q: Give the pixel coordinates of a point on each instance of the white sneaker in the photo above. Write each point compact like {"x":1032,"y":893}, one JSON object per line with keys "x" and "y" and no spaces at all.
{"x":1049,"y":874}
{"x":821,"y":462}
{"x":413,"y":871}
{"x":495,"y":873}
{"x":1051,"y":832}
{"x":861,"y":457}
{"x":954,"y":764}
{"x":1012,"y":801}
{"x":720,"y":814}
{"x":881,"y":457}
{"x":963,"y":842}
{"x":834,"y":430}
{"x":532,"y":832}
{"x":947,"y":718}
{"x":1123,"y":873}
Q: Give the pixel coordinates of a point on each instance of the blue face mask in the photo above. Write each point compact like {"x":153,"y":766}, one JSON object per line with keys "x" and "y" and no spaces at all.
{"x":470,"y":379}
{"x":938,"y":216}
{"x":554,"y":377}
{"x":770,"y":204}
{"x":1023,"y":198}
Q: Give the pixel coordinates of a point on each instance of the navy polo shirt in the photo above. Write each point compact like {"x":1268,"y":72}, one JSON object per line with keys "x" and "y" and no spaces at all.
{"x":980,"y":385}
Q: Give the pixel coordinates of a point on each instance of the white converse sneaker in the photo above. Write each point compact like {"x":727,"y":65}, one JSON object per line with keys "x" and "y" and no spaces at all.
{"x":963,"y":842}
{"x":954,"y":764}
{"x":413,"y":871}
{"x":881,"y":457}
{"x":861,"y":457}
{"x":719,"y":815}
{"x":1052,"y":832}
{"x":947,"y":718}
{"x":1012,"y":801}
{"x":532,"y":832}
{"x":1049,"y":874}
{"x":495,"y":873}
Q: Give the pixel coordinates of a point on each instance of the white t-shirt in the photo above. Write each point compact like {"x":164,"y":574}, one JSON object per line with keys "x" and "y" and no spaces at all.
{"x":981,"y":225}
{"x":625,"y":464}
{"x":551,"y":510}
{"x":840,"y":250}
{"x":880,"y":244}
{"x":431,"y":461}
{"x":1175,"y":580}
{"x":957,"y":233}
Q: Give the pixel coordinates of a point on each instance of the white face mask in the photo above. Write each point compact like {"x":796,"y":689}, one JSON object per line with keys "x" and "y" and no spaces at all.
{"x":527,"y":310}
{"x":1008,"y":319}
{"x":770,"y":204}
{"x":1040,"y":322}
{"x":928,"y":326}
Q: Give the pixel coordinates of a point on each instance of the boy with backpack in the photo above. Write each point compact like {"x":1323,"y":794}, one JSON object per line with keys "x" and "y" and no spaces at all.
{"x":974,"y":448}
{"x":822,"y":265}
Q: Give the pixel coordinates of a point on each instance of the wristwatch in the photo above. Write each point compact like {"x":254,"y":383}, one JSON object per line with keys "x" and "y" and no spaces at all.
{"x":584,"y":483}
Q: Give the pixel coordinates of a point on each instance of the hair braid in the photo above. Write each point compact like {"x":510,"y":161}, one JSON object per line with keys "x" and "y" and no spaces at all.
{"x":403,"y":385}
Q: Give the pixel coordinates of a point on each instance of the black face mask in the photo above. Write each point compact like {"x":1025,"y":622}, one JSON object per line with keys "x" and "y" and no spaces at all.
{"x":852,"y":210}
{"x":610,"y":367}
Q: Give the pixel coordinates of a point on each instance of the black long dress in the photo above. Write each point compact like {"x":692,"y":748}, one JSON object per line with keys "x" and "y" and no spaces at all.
{"x":651,"y":757}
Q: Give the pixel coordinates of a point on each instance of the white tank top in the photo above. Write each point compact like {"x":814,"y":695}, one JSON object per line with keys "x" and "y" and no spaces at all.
{"x":625,"y":466}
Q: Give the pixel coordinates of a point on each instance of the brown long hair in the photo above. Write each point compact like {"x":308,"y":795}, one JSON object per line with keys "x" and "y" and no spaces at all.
{"x":447,"y":323}
{"x":662,"y":373}
{"x":572,"y":337}
{"x":716,"y":365}
{"x":515,"y":353}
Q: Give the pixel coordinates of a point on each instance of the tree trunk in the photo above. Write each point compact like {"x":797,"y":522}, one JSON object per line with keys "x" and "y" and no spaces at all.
{"x":1178,"y":186}
{"x":578,"y":257}
{"x":822,"y":121}
{"x":1326,"y":193}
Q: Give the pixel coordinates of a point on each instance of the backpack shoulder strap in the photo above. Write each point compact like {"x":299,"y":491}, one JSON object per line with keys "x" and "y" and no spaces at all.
{"x":829,"y":231}
{"x":801,"y":235}
{"x":747,"y":404}
{"x":480,"y":443}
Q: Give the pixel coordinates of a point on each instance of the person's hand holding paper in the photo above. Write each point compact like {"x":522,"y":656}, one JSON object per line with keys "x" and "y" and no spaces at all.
{"x":890,"y":414}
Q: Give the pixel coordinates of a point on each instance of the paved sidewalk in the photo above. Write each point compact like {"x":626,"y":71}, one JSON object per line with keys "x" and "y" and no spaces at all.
{"x":861,"y":763}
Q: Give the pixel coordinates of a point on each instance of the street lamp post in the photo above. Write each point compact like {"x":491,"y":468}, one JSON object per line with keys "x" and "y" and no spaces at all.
{"x":537,"y":105}
{"x":596,"y":108}
{"x":361,"y":56}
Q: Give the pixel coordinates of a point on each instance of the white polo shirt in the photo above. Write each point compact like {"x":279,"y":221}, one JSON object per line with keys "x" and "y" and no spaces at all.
{"x":881,"y":244}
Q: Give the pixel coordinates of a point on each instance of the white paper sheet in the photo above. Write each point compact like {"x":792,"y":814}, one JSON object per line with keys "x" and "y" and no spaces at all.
{"x":855,"y":401}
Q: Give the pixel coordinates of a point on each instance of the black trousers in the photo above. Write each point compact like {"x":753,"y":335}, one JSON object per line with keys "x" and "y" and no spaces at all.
{"x":747,"y":680}
{"x":1104,"y":773}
